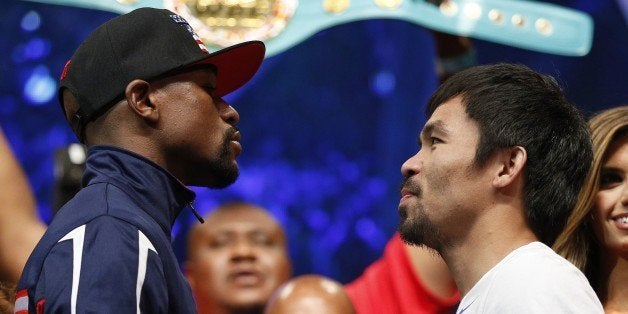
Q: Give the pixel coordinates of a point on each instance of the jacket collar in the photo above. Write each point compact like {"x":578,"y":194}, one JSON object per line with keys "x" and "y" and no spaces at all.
{"x":154,"y":189}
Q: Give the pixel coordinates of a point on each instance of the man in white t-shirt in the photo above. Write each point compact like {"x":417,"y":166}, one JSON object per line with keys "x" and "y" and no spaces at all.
{"x":503,"y":155}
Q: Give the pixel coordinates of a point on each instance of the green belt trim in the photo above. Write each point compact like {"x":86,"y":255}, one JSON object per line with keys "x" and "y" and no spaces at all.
{"x":531,"y":25}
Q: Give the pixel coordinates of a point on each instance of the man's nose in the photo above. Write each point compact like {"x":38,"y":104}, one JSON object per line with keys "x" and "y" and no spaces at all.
{"x":412,"y":166}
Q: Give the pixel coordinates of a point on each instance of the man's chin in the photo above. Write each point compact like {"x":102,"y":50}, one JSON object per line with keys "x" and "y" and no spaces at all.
{"x":225,"y":181}
{"x":216,"y":179}
{"x":408,"y":235}
{"x":247,"y":305}
{"x":415,"y":232}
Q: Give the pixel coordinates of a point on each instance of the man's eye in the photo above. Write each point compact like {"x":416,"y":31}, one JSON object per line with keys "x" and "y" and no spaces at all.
{"x":435,"y":140}
{"x":263,"y":240}
{"x":219,"y":243}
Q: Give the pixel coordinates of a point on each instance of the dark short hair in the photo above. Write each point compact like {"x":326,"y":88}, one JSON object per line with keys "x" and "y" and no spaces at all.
{"x":516,"y":106}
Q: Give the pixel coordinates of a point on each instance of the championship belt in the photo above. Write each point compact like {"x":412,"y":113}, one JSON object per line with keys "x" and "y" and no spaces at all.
{"x":281,"y":24}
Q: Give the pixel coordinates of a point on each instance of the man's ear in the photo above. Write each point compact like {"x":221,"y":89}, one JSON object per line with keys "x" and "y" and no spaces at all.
{"x":137,"y":93}
{"x":70,"y":107}
{"x":512,"y":161}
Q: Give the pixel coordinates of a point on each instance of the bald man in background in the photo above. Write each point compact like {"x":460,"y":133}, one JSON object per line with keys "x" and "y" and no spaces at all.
{"x":310,"y":294}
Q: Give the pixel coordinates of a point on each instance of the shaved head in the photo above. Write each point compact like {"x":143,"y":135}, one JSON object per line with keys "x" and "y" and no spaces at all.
{"x":310,"y":294}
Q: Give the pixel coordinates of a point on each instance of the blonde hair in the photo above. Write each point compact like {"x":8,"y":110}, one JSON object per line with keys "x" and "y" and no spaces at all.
{"x":576,"y":242}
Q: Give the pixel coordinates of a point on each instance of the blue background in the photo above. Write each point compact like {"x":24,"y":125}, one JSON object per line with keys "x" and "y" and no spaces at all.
{"x":326,"y":124}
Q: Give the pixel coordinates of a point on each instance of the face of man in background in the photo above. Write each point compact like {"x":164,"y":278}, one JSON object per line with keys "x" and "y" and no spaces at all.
{"x":236,"y":259}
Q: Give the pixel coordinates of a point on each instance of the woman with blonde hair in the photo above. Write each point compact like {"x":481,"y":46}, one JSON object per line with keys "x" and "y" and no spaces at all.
{"x":595,"y":238}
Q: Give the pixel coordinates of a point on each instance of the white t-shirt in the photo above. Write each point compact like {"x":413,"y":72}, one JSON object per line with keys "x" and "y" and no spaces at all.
{"x":532,"y":279}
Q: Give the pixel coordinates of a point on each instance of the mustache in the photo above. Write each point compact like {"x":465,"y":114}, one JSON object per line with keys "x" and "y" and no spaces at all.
{"x":230,"y":132}
{"x":410,"y":186}
{"x":225,"y":150}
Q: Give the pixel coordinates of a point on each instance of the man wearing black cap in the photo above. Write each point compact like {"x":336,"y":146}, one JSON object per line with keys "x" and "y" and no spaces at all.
{"x":144,"y":94}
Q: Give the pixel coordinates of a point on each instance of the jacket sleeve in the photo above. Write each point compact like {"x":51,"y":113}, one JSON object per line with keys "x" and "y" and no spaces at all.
{"x":105,"y":266}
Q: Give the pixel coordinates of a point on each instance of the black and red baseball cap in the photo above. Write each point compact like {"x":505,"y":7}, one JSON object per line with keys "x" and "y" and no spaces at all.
{"x":144,"y":44}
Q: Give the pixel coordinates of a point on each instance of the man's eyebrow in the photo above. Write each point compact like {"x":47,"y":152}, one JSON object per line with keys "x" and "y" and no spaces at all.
{"x":434,"y":126}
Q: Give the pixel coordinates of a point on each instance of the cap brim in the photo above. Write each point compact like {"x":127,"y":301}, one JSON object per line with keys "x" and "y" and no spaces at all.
{"x":235,"y":65}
